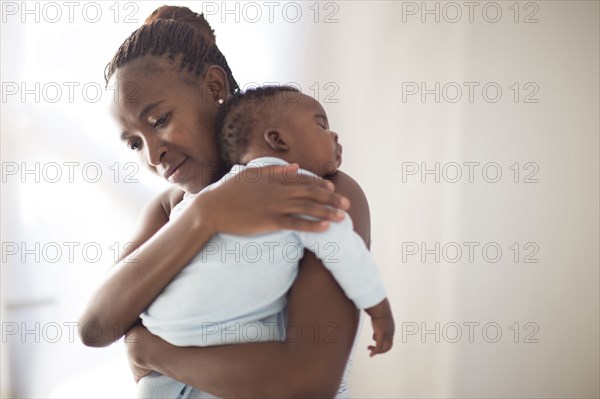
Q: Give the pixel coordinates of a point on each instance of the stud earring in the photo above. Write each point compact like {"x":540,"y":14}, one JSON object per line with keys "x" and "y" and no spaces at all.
{"x":220,"y":101}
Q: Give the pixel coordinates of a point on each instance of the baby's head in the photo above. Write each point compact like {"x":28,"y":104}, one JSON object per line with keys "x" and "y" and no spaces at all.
{"x":278,"y":121}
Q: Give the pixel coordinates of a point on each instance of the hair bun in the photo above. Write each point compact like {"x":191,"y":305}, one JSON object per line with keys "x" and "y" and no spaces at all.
{"x":184,"y":15}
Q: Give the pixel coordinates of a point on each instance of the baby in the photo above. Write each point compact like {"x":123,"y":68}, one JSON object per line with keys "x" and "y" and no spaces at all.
{"x":233,"y":289}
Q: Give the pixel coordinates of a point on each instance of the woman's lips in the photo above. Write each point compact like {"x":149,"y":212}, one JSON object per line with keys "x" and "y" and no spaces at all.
{"x":175,"y":175}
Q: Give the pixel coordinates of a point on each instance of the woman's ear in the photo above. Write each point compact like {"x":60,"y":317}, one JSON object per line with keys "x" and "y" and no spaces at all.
{"x":215,"y":84}
{"x":276,"y":139}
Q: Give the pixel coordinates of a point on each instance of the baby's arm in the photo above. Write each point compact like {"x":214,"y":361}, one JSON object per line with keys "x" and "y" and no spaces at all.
{"x":347,"y":256}
{"x":383,"y":327}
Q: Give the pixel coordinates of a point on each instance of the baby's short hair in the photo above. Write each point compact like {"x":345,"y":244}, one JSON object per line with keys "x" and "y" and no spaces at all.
{"x":245,"y":112}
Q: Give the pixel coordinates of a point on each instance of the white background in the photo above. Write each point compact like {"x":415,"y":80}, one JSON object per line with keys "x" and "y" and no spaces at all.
{"x":360,"y":59}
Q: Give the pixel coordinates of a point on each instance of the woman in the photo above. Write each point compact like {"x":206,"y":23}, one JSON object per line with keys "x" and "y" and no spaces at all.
{"x":171,"y":79}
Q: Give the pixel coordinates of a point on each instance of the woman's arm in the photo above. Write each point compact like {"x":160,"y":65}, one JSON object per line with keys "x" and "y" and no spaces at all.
{"x":310,"y":363}
{"x":165,"y":248}
{"x":143,"y":271}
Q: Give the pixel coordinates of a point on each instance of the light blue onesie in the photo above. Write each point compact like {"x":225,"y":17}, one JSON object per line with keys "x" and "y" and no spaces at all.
{"x":234,"y":290}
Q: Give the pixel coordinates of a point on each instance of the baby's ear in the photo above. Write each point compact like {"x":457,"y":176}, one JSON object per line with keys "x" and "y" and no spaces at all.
{"x":276,"y":139}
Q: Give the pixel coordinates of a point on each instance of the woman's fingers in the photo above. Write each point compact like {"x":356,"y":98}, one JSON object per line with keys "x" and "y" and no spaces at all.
{"x":271,"y":198}
{"x":319,"y":195}
{"x":311,"y":209}
{"x":300,"y":186}
{"x":299,"y":224}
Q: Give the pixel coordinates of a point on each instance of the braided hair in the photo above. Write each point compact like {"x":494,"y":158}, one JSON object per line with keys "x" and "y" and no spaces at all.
{"x":244,"y":112}
{"x":178,"y":33}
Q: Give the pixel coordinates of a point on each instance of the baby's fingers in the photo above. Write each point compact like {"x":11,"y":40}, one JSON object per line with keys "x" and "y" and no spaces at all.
{"x":386,"y":344}
{"x":382,"y":344}
{"x":372,"y":350}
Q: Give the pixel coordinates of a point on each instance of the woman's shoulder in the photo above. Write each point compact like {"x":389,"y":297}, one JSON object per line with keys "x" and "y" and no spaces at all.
{"x":169,"y":198}
{"x":154,"y":215}
{"x":158,"y":209}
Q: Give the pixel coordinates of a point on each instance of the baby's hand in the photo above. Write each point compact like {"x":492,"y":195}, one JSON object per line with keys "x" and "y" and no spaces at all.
{"x":383,"y":327}
{"x":383,"y":334}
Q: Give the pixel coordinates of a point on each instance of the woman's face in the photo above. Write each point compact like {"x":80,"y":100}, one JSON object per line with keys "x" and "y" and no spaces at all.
{"x":169,"y":121}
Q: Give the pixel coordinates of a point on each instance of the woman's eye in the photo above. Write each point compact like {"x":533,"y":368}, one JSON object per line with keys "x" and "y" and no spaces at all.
{"x":135,"y":146}
{"x":160,"y":121}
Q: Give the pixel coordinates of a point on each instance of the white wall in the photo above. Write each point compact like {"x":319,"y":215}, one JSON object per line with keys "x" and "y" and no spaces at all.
{"x":361,"y":65}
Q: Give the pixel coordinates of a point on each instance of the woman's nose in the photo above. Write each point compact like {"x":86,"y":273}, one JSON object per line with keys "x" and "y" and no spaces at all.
{"x":335,"y":136}
{"x":156,"y":149}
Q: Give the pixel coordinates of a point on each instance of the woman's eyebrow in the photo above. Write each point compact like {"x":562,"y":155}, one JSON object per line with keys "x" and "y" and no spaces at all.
{"x":149,"y":108}
{"x":124,"y":135}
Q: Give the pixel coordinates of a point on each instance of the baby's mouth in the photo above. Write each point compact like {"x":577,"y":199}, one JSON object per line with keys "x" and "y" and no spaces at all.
{"x":338,"y":154}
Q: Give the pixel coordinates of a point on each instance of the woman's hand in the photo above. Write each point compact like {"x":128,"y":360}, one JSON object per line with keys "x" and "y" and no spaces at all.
{"x":137,"y":339}
{"x":260,"y":200}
